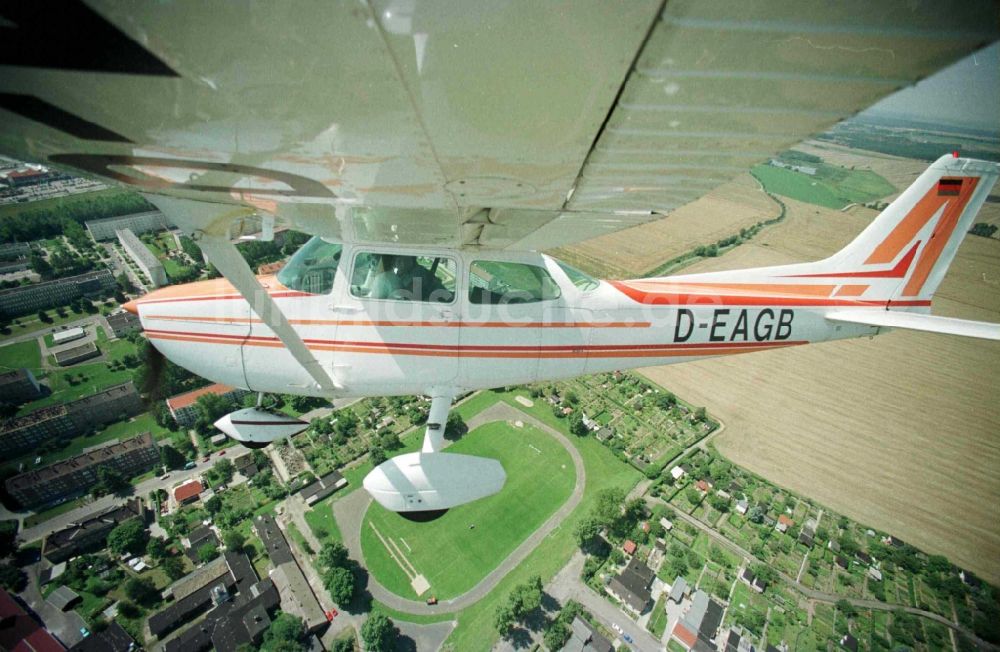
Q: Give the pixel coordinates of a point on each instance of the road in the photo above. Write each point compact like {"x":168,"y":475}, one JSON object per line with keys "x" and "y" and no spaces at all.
{"x":142,"y":489}
{"x":350,"y":512}
{"x":821,"y":596}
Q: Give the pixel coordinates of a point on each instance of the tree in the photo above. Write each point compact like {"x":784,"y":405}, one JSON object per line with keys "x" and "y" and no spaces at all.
{"x":455,"y":426}
{"x":587,"y":530}
{"x":207,"y":553}
{"x":110,"y":481}
{"x":13,"y":578}
{"x":130,"y":536}
{"x":287,"y":633}
{"x":846,"y":608}
{"x":756,"y":514}
{"x":225,"y":469}
{"x":339,"y":582}
{"x":333,"y":554}
{"x":699,"y":414}
{"x":170,"y":457}
{"x":504,"y":619}
{"x":156,"y":548}
{"x":173,"y":567}
{"x":376,"y":455}
{"x":234,"y":540}
{"x":210,"y":408}
{"x":142,"y":591}
{"x":213,"y":505}
{"x":378,"y":633}
{"x":577,"y":426}
{"x":129,"y":609}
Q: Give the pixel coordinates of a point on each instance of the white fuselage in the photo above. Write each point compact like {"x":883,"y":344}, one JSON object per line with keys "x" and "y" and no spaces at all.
{"x":378,"y":347}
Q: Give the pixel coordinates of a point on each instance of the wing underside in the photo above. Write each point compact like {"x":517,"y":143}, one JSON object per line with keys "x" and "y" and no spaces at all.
{"x":489,"y":124}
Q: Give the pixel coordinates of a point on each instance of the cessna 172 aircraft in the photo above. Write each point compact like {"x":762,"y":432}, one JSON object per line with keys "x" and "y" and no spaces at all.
{"x":434,"y":150}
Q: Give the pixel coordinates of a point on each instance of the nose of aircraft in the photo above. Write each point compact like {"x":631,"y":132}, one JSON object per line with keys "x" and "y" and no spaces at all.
{"x":132,"y":307}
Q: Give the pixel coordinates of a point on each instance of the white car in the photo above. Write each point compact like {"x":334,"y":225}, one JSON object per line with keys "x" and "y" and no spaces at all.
{"x":615,"y":627}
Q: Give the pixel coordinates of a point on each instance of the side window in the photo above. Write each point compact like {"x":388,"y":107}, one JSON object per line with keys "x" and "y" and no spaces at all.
{"x":403,"y":278}
{"x":312,"y":268}
{"x":492,"y":282}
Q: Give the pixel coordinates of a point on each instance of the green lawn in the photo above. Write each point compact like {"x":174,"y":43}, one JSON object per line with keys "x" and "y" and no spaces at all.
{"x":23,"y":354}
{"x":833,"y":187}
{"x":321,"y":521}
{"x":658,"y":620}
{"x":475,"y":629}
{"x":453,"y":556}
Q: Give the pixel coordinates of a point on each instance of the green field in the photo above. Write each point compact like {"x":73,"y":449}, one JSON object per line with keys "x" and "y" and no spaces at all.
{"x":832,"y":187}
{"x":22,"y":354}
{"x":449,"y":552}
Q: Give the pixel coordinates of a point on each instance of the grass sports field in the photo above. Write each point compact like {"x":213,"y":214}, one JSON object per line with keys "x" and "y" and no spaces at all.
{"x":832,"y":186}
{"x":452,"y":556}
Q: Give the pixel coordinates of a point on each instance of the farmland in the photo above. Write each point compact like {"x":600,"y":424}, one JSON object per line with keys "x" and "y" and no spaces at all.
{"x":831,"y":186}
{"x":899,"y":432}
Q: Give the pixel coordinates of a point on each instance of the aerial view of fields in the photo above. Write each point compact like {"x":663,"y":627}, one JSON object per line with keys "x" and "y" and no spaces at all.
{"x":899,"y":431}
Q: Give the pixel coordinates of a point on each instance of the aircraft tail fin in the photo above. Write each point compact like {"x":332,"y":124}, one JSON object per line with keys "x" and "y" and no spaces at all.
{"x":905,"y":252}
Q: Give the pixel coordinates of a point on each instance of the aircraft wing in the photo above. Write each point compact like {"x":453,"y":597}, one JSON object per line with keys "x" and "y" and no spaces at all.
{"x":502,"y":124}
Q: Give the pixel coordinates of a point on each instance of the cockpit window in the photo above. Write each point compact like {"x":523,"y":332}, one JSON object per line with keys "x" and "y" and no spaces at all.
{"x":583,"y":281}
{"x":492,"y":282}
{"x":404,"y":278}
{"x":312,"y":268}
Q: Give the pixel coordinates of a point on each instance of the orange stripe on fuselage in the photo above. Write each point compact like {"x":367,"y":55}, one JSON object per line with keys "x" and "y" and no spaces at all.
{"x":410,"y":324}
{"x":389,"y":348}
{"x":731,"y":289}
{"x":942,"y":234}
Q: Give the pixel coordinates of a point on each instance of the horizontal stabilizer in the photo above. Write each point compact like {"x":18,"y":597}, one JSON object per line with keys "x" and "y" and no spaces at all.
{"x":919,"y":322}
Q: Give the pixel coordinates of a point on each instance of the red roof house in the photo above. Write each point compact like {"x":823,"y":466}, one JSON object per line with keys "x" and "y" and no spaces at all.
{"x":685,"y":635}
{"x":187,"y":492}
{"x":702,"y":486}
{"x":629,"y":547}
{"x":19,"y":632}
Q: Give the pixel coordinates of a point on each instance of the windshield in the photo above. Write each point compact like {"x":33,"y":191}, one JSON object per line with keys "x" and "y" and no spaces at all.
{"x":584,"y":282}
{"x":312,"y":268}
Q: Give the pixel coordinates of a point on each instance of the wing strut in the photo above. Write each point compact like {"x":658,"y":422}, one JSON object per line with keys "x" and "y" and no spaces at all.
{"x":210,"y":225}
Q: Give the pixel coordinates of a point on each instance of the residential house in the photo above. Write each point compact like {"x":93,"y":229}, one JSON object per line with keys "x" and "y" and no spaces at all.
{"x":632,"y":586}
{"x":842,"y":561}
{"x":90,"y":533}
{"x":629,"y":547}
{"x":875,"y":573}
{"x":584,"y":638}
{"x":678,"y":590}
{"x":245,"y":465}
{"x":297,"y":596}
{"x":849,"y":642}
{"x":76,"y":475}
{"x":676,"y":473}
{"x":18,"y":386}
{"x":752,"y":580}
{"x":188,"y":492}
{"x":742,"y":505}
{"x":784,"y":523}
{"x":198,"y":538}
{"x":328,"y":484}
{"x":19,"y":632}
{"x":864,"y":557}
{"x":703,"y":486}
{"x":112,"y":638}
{"x":698,"y":627}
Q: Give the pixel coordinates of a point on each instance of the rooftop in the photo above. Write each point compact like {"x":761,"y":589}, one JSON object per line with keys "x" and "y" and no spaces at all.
{"x":137,"y":247}
{"x":21,"y":633}
{"x":190,"y":398}
{"x":109,"y":517}
{"x":74,"y":464}
{"x":188,"y":490}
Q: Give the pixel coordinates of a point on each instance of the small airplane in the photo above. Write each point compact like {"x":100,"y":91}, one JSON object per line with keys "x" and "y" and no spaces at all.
{"x":437,"y":321}
{"x":435,"y":152}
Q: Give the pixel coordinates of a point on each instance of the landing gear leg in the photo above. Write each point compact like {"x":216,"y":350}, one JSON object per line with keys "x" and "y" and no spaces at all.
{"x":436,"y":422}
{"x":421,"y":486}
